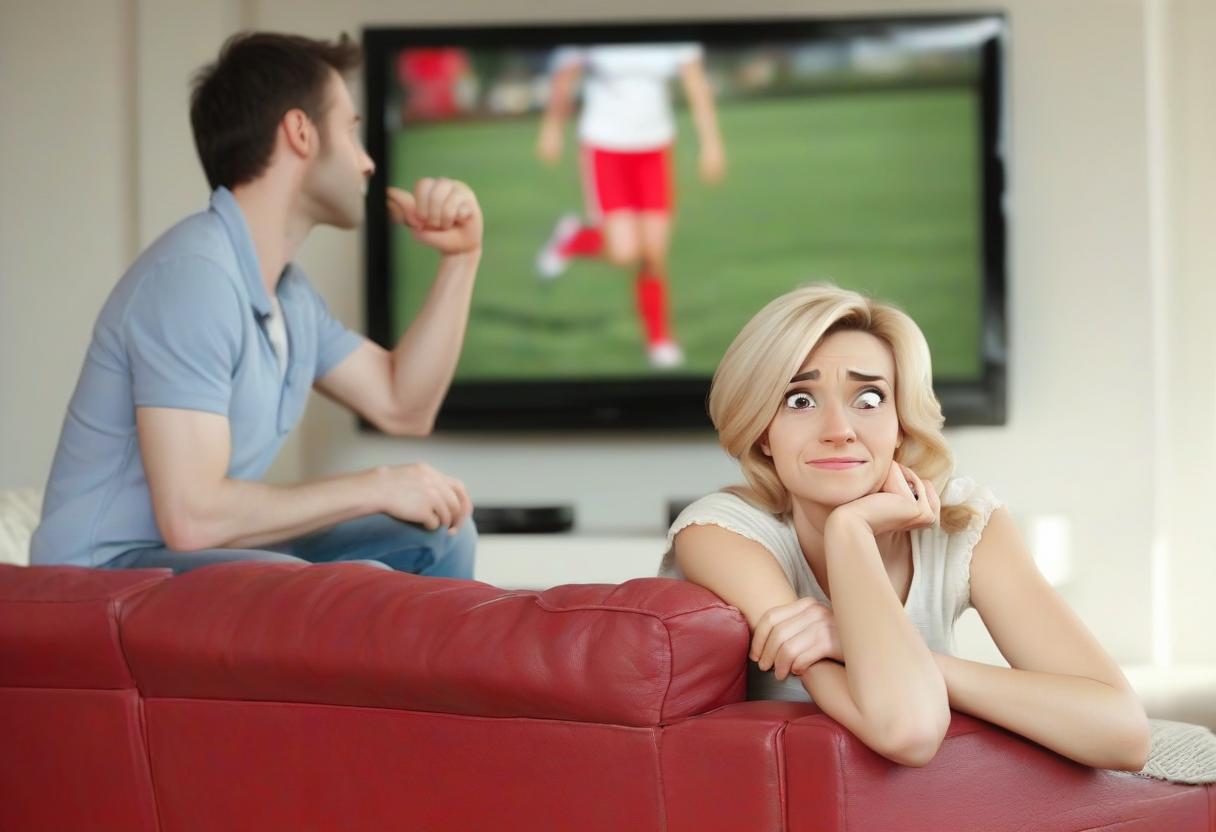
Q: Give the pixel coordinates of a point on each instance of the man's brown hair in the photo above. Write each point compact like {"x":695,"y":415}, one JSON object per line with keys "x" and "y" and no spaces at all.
{"x":239,"y":100}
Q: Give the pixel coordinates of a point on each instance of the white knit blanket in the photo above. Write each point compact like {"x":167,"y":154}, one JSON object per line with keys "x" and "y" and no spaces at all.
{"x":19,"y":510}
{"x":1180,"y":752}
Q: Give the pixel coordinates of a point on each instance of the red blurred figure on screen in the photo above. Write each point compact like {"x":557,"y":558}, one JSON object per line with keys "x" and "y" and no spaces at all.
{"x":430,"y":79}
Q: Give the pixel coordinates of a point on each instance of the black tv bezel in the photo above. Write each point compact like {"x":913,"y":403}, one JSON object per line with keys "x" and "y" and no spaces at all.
{"x":675,"y":402}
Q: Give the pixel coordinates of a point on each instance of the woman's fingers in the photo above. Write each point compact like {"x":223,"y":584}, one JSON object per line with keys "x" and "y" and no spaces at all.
{"x":926,"y":514}
{"x":895,"y":476}
{"x":769,"y":621}
{"x":786,"y":630}
{"x":789,"y":652}
{"x":916,"y":489}
{"x":809,"y":645}
{"x":935,"y":501}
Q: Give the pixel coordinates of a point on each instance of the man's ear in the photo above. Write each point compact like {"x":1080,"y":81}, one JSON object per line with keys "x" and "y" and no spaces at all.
{"x":299,"y":132}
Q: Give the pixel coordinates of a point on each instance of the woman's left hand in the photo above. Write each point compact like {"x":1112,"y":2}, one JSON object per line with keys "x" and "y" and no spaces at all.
{"x":792,"y":637}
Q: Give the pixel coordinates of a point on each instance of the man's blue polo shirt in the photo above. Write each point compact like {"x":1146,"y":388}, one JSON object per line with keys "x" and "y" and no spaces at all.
{"x":184,"y":328}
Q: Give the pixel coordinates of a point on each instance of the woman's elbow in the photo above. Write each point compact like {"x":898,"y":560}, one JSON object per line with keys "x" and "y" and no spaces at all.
{"x":1133,"y":752}
{"x":914,"y":748}
{"x":1127,"y":747}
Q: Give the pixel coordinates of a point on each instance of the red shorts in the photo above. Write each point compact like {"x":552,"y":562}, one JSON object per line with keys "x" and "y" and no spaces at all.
{"x":626,"y":181}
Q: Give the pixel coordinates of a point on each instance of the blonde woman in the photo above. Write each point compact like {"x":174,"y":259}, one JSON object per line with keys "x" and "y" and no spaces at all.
{"x":854,"y":548}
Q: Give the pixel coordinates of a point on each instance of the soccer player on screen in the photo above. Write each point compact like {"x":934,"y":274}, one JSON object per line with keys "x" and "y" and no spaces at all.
{"x":626,"y":130}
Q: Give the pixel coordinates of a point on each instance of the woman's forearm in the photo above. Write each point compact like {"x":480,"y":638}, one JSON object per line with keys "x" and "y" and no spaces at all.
{"x":827,"y":682}
{"x":892,"y":676}
{"x":1079,"y":718}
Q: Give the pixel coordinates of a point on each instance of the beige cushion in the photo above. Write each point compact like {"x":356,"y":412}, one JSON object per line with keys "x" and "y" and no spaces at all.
{"x":19,"y":513}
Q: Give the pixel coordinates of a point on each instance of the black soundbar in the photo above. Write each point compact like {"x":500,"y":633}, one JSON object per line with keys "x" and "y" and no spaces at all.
{"x":523,"y":519}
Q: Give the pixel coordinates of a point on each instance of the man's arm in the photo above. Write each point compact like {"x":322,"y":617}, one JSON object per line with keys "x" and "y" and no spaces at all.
{"x":400,"y":391}
{"x":197,"y":506}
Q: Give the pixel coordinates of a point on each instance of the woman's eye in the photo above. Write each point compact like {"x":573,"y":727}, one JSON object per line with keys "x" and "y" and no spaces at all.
{"x":799,"y":401}
{"x":870,"y":399}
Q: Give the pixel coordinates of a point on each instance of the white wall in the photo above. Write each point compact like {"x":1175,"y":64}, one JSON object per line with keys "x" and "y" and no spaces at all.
{"x":1190,"y":66}
{"x":1085,"y":438}
{"x":66,"y":208}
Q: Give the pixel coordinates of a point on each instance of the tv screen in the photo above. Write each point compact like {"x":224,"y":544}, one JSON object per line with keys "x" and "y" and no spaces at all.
{"x":647,"y":188}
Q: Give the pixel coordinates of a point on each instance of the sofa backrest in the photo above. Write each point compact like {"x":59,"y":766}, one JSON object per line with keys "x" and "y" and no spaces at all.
{"x":641,"y":653}
{"x":73,"y":754}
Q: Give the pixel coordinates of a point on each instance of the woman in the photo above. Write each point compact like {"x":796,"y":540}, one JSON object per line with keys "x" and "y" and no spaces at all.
{"x":851,"y":570}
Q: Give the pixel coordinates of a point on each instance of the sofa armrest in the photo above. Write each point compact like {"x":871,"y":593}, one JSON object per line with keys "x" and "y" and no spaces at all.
{"x":793,"y":767}
{"x":983,"y":777}
{"x":640,"y":653}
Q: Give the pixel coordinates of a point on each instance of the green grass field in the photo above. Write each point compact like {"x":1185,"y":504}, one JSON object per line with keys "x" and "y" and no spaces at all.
{"x":875,"y":191}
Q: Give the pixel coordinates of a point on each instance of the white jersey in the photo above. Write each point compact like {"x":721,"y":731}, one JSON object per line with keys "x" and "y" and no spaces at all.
{"x":626,"y":100}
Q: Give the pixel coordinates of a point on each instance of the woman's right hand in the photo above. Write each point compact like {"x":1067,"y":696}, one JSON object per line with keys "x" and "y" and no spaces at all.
{"x":903,"y":503}
{"x":792,"y":637}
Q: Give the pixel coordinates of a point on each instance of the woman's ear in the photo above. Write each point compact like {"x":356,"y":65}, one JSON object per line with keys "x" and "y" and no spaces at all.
{"x":762,"y":444}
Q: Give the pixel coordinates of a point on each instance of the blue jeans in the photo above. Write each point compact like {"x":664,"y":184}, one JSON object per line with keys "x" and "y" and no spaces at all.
{"x":378,"y":539}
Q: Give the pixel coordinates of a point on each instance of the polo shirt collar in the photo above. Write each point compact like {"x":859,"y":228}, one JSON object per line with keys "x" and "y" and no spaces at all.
{"x":229,"y":211}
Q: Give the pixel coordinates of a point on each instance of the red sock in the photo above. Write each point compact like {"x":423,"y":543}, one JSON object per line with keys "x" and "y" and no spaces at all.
{"x":587,"y":242}
{"x":652,"y":306}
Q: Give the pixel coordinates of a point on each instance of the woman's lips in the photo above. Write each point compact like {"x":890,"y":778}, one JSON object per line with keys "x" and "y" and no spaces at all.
{"x":836,"y":464}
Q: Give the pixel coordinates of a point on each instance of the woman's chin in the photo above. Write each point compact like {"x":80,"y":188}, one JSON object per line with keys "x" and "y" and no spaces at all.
{"x":835,"y":497}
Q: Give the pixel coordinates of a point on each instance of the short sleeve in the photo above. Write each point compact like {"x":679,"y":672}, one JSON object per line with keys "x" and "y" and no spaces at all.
{"x":982,"y":502}
{"x":686,"y":53}
{"x":734,"y":514}
{"x":334,"y":340}
{"x":565,"y":56}
{"x":182,"y":331}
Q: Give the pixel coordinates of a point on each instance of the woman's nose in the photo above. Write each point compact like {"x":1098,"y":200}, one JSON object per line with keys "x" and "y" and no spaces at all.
{"x":837,"y":428}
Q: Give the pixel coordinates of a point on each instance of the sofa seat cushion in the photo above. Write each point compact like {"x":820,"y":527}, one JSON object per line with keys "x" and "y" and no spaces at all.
{"x":640,"y":653}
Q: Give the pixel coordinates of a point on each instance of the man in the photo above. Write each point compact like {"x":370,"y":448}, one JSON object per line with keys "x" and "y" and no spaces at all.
{"x":202,"y":357}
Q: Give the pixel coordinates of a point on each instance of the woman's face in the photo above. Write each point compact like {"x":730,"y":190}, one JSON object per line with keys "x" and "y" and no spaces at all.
{"x":836,"y":429}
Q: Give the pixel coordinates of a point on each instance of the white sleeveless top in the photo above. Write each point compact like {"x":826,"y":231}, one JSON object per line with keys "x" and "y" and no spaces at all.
{"x":941,"y":579}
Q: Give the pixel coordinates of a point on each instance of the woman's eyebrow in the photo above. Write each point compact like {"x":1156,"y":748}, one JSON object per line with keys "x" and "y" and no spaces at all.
{"x":813,"y":375}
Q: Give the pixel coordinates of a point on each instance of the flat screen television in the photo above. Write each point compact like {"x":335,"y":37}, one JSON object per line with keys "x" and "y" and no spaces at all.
{"x":648,"y":187}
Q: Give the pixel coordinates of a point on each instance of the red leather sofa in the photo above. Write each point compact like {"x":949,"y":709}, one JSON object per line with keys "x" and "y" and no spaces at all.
{"x":342,"y":697}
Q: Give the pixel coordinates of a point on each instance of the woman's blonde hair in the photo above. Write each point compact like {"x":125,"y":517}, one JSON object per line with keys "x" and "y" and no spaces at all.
{"x":751,"y":380}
